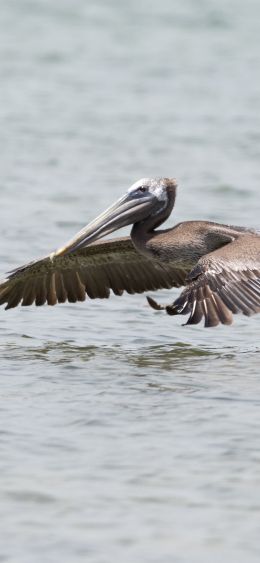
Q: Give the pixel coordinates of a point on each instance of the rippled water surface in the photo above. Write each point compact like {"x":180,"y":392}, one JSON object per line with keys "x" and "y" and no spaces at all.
{"x":123,"y":435}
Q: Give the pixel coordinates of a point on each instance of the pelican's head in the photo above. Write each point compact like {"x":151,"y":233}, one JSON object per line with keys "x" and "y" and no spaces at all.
{"x":145,"y":198}
{"x":159,"y":190}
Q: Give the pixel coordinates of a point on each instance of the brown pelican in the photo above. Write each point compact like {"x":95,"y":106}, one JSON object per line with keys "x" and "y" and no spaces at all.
{"x":219,"y":265}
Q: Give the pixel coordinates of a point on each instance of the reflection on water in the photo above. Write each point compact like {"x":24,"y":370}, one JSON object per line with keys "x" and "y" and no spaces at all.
{"x":167,"y":357}
{"x":163,"y":355}
{"x":180,"y":356}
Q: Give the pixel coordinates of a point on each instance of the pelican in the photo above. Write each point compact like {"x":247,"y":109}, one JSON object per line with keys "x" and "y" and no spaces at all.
{"x":218,"y":265}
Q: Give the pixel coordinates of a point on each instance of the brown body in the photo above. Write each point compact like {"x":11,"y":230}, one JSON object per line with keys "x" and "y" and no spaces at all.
{"x":218,"y":264}
{"x":183,"y":244}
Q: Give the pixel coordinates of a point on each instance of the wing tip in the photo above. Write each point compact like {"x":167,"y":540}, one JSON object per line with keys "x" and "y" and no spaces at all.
{"x":156,"y":306}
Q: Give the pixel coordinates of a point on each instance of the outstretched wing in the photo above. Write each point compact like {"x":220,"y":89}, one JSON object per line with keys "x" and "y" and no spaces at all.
{"x":223,"y":282}
{"x":114,"y":264}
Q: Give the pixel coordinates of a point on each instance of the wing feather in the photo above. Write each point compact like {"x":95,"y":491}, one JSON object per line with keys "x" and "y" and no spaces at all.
{"x":93,"y":271}
{"x":223,"y":282}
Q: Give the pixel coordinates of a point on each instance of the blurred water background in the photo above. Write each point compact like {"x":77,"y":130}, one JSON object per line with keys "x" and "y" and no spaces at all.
{"x":123,"y":435}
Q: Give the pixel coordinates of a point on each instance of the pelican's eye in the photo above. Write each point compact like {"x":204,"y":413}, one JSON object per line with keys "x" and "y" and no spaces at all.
{"x":143,"y":189}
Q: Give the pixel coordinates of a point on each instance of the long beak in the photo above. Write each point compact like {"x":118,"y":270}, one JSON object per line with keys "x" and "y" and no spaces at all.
{"x":127,"y":210}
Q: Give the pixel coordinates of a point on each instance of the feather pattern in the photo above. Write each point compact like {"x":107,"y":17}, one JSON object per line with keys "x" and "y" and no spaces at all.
{"x":218,"y":264}
{"x":223,"y":282}
{"x":93,"y":271}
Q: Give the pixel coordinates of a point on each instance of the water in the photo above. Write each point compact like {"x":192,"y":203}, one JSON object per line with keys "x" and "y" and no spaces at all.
{"x":125,"y":436}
